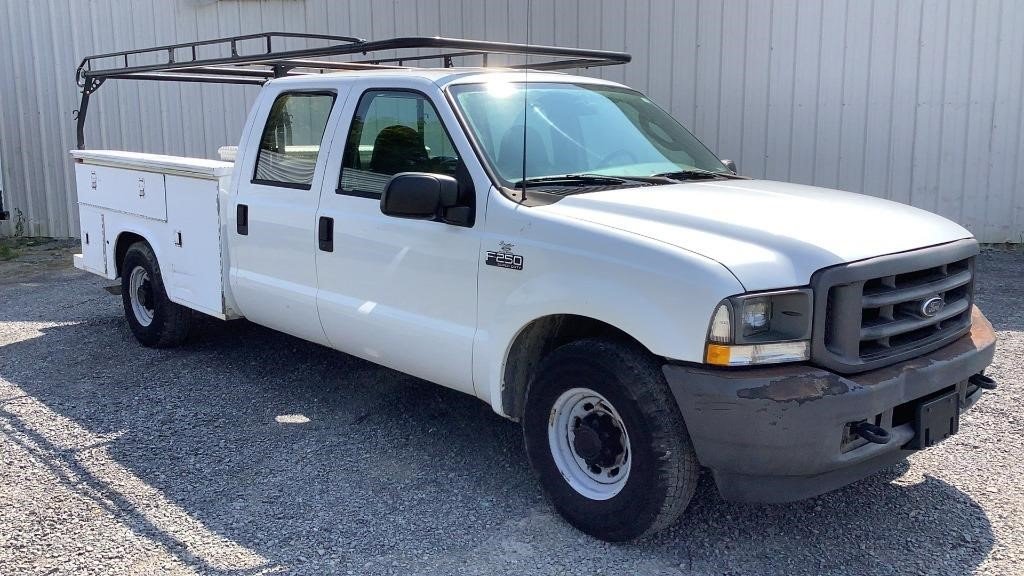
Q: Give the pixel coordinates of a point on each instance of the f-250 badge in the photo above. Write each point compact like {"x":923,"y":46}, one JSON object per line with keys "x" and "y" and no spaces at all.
{"x":504,"y":258}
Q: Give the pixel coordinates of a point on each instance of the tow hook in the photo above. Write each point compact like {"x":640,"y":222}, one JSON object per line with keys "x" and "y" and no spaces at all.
{"x":870,"y":432}
{"x":982,"y":381}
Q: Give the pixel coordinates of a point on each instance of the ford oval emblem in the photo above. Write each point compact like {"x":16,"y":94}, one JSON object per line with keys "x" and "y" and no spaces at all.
{"x":932,"y":306}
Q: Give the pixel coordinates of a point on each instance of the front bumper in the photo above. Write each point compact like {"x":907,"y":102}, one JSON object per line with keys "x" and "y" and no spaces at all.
{"x":778,"y":434}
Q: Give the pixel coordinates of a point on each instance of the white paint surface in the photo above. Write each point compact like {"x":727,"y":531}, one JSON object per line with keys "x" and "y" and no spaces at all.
{"x":653,"y":262}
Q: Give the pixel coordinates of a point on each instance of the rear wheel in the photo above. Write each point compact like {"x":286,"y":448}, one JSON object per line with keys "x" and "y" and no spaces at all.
{"x":153,"y":318}
{"x":607,"y":440}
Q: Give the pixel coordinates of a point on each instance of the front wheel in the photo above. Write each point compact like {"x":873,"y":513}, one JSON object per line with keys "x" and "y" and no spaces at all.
{"x":607,"y":440}
{"x":153,"y":318}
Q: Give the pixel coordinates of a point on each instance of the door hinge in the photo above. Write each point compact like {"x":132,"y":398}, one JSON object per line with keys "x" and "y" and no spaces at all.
{"x":142,"y":187}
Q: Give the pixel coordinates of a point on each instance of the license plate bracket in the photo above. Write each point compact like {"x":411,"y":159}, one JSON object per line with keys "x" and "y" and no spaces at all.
{"x":935,"y":420}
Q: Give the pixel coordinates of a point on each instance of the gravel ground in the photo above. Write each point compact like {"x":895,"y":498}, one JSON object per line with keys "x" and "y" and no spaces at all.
{"x":251,"y":452}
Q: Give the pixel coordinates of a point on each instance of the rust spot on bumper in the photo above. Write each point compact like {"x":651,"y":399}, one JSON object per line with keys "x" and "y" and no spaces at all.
{"x":800,"y":388}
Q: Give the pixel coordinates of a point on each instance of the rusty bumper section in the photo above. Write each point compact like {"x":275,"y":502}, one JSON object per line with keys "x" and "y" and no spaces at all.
{"x":782,"y":433}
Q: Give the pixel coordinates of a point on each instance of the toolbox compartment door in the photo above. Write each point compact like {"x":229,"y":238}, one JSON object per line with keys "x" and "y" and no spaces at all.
{"x":192,"y":254}
{"x":135,"y":192}
{"x":94,"y":244}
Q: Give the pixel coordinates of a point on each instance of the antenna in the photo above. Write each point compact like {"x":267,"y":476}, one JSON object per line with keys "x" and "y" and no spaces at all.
{"x":526,"y":94}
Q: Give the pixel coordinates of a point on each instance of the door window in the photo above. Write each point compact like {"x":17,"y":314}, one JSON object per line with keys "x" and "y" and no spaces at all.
{"x":291,"y":140}
{"x":394,"y":131}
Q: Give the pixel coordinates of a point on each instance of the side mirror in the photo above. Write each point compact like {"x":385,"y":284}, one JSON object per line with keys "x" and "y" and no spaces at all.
{"x":730,"y":165}
{"x":422,"y":196}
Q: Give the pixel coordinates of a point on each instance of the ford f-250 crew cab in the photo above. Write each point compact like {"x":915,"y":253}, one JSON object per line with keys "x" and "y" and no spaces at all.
{"x":563,"y":249}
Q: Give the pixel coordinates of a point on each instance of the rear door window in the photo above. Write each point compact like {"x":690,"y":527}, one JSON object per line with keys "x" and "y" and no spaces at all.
{"x":291,"y":140}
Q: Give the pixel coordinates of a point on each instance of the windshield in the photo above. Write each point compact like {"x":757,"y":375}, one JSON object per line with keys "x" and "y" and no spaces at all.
{"x":574,"y":129}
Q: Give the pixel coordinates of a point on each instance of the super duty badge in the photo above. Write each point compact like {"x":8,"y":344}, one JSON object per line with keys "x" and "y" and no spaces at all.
{"x":504,"y":258}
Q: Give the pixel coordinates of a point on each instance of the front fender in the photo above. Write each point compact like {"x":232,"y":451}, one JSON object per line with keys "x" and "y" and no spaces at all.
{"x":658,"y":294}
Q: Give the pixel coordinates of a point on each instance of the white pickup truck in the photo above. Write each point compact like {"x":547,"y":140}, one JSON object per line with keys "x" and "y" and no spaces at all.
{"x":563,"y":249}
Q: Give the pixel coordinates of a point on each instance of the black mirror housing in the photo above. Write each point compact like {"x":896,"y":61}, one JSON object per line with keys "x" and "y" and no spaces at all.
{"x":730,"y":165}
{"x":419,"y":196}
{"x":423,"y":196}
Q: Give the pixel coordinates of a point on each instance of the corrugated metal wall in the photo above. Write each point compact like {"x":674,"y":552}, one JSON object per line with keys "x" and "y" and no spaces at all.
{"x":915,"y":100}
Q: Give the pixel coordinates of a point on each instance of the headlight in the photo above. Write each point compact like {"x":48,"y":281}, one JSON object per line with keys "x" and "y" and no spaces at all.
{"x":755,"y":316}
{"x":764,"y":328}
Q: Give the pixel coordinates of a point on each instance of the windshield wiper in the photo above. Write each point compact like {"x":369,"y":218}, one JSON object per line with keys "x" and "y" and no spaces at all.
{"x":573,"y":180}
{"x":693,"y":174}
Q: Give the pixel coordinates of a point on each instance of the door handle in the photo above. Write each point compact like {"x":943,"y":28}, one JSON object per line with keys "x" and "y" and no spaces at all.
{"x":242,"y":219}
{"x":325,"y":234}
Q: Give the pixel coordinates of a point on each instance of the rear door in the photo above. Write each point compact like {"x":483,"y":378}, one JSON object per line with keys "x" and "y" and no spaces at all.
{"x":273,"y":214}
{"x":398,"y":292}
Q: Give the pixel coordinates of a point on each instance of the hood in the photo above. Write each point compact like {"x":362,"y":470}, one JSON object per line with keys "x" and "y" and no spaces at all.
{"x":769,"y":234}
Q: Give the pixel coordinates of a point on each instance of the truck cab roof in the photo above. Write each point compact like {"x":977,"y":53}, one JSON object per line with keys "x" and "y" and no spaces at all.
{"x":442,"y":77}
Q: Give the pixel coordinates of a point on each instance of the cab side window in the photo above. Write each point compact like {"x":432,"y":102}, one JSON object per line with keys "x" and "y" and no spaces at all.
{"x":290,"y":144}
{"x":393,"y":131}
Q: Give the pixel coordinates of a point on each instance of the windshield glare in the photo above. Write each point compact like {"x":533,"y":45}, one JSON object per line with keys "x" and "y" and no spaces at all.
{"x":577,"y":129}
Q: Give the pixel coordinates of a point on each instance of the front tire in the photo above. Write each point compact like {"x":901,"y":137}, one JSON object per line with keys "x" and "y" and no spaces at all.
{"x":607,"y":441}
{"x":154,"y":320}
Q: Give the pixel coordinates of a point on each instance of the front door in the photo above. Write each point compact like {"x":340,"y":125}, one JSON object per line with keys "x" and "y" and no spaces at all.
{"x":398,"y":292}
{"x":273,"y":216}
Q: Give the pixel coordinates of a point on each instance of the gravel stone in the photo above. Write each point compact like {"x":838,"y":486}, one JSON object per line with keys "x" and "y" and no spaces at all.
{"x":251,"y":452}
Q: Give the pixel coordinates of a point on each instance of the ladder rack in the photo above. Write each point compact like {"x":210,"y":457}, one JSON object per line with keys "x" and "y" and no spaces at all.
{"x":256,"y":58}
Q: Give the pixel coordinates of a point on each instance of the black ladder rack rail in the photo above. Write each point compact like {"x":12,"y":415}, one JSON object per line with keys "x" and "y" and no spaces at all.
{"x":184,"y":63}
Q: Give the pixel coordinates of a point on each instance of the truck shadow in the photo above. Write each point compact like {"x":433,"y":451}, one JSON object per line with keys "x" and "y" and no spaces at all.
{"x":250,"y":450}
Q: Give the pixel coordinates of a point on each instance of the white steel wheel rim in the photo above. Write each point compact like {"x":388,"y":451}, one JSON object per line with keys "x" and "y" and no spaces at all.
{"x":140,"y":293}
{"x":597,"y":479}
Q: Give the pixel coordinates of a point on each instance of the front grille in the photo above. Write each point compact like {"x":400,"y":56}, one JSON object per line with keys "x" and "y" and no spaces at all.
{"x":893,"y":315}
{"x":883,"y":310}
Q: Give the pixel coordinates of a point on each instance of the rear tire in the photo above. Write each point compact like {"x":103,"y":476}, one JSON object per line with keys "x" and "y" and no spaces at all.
{"x":154,"y":320}
{"x":607,"y":441}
